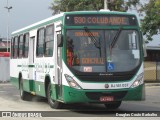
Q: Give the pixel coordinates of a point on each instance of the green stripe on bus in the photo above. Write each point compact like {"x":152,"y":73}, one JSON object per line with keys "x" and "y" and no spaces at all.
{"x":31,"y":65}
{"x":51,"y":66}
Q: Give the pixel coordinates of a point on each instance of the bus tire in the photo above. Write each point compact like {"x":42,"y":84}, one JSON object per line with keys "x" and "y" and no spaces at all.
{"x":53,"y":103}
{"x":23,"y":94}
{"x":113,"y":105}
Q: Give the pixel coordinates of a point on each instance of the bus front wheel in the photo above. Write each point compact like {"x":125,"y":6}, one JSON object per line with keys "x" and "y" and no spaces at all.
{"x":113,"y":105}
{"x":23,"y":94}
{"x":53,"y":103}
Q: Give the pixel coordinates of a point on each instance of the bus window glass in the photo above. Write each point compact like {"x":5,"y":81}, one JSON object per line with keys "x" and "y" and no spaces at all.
{"x":15,"y":47}
{"x":83,"y":53}
{"x":20,"y":46}
{"x":40,"y":42}
{"x":125,"y":54}
{"x":90,"y":51}
{"x":49,"y":41}
{"x":26,"y":45}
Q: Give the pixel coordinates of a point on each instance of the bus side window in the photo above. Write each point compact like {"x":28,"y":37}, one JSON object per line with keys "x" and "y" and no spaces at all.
{"x":49,"y":41}
{"x":20,"y":46}
{"x":40,"y":42}
{"x":15,"y":47}
{"x":26,"y":45}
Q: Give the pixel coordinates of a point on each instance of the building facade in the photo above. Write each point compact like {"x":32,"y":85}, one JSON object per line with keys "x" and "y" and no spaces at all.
{"x":4,"y":45}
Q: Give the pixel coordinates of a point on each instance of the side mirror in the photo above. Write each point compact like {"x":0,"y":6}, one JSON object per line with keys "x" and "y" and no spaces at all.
{"x":59,"y":40}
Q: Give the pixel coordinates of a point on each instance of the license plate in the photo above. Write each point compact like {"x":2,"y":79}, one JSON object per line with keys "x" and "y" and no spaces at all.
{"x":106,"y":98}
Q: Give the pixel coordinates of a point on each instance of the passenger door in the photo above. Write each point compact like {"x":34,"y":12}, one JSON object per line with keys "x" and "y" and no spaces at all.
{"x":58,"y":63}
{"x":31,"y":63}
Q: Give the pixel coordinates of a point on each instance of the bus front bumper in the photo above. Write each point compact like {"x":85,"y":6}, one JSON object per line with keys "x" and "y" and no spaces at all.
{"x":72,"y":95}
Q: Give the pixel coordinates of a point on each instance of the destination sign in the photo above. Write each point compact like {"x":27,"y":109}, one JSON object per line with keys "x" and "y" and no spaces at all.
{"x":87,"y":20}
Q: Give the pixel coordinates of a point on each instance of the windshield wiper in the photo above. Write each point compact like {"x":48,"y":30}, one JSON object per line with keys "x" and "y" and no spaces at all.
{"x":114,"y":42}
{"x":94,"y":40}
{"x":115,"y":38}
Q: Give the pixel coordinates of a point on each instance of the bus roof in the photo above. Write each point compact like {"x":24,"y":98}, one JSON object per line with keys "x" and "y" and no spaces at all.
{"x":100,"y":11}
{"x":51,"y":19}
{"x":32,"y":26}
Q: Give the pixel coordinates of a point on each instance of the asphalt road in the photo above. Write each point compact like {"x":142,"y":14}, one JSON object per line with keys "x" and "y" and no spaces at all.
{"x":10,"y":101}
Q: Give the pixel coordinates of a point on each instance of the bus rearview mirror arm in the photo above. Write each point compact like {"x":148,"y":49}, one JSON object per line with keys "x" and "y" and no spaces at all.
{"x":59,"y":40}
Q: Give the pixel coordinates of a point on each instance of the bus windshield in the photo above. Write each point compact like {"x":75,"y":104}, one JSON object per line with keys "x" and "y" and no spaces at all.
{"x":83,"y":54}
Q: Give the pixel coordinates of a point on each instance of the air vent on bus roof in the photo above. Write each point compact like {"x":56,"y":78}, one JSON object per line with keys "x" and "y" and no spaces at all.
{"x":105,"y":10}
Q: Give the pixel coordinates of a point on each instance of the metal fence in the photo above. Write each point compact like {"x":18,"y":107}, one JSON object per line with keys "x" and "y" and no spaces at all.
{"x":152,"y":71}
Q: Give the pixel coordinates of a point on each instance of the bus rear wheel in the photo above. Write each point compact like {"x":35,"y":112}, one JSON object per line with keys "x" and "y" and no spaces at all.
{"x":53,"y":103}
{"x":113,"y":105}
{"x":23,"y":94}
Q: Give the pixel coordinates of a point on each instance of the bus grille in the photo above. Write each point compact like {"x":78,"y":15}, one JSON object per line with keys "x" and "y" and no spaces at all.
{"x":96,"y":78}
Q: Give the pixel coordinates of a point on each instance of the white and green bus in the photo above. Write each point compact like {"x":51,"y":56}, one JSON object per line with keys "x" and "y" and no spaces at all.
{"x":80,"y":57}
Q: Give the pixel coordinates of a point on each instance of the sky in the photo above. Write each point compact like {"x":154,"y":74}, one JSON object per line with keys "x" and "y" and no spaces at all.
{"x":23,"y":13}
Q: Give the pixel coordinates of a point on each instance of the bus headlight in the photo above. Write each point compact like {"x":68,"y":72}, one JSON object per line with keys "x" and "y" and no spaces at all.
{"x":72,"y":83}
{"x":138,"y":81}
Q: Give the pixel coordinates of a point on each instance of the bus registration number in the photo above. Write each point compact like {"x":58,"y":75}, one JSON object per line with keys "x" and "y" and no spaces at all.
{"x":106,"y":98}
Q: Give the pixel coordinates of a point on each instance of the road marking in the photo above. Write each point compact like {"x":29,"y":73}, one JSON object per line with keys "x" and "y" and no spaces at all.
{"x":6,"y":84}
{"x":152,"y":86}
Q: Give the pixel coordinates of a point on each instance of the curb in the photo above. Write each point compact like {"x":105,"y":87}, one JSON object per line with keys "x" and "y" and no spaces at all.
{"x":152,"y":84}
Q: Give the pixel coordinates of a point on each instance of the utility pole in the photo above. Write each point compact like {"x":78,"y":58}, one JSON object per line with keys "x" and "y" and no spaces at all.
{"x":105,"y":4}
{"x":8,"y":8}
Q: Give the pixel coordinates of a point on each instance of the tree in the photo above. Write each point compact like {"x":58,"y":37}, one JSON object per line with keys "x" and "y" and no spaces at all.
{"x":77,"y":5}
{"x":151,"y":22}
